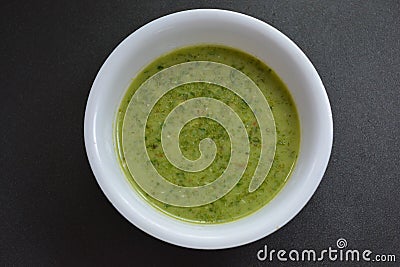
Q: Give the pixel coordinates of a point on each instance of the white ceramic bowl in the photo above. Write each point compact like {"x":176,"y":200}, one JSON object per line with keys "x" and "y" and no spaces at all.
{"x":217,"y":27}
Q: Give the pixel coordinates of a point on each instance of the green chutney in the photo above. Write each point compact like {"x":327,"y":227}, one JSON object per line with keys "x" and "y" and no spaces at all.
{"x":239,"y":202}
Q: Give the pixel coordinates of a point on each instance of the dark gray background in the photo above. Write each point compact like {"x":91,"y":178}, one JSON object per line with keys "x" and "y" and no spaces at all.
{"x":52,"y":211}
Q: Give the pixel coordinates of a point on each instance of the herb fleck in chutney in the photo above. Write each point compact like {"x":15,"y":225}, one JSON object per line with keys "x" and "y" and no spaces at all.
{"x":238,"y":202}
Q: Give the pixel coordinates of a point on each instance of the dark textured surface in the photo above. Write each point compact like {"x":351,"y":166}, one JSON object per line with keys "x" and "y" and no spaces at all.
{"x":52,"y":211}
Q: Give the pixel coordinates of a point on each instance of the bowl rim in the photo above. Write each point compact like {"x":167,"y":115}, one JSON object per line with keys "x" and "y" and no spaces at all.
{"x":154,"y":229}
